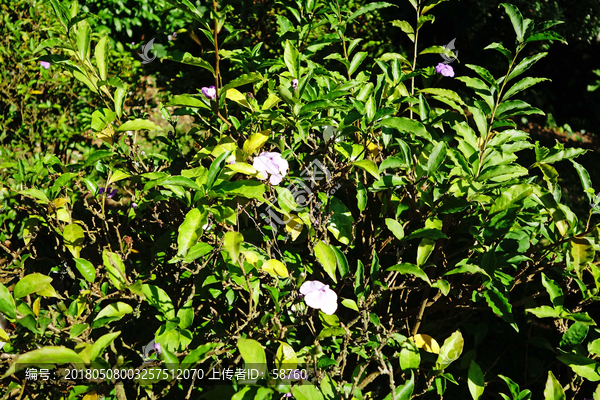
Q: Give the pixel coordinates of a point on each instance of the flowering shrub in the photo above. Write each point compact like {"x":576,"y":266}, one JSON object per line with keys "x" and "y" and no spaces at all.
{"x":408,"y":222}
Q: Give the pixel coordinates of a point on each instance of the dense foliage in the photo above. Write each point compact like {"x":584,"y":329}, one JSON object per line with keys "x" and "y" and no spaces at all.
{"x":334,"y":218}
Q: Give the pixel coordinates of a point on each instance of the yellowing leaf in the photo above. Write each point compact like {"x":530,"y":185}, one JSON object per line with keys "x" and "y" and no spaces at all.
{"x":59,"y":202}
{"x":36,"y":307}
{"x":4,"y":336}
{"x":286,"y":358}
{"x":255,"y":142}
{"x":275,"y":268}
{"x":270,"y":101}
{"x":294,"y":227}
{"x":251,"y":257}
{"x":426,"y":343}
{"x":225,"y":144}
{"x":91,"y":396}
{"x":373,"y":149}
{"x":117,"y":175}
{"x":107,"y":134}
{"x":242,"y":168}
{"x":238,"y":97}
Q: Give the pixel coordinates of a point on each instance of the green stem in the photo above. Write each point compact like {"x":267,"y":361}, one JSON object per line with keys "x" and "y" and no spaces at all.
{"x":414,"y":64}
{"x":488,"y":135}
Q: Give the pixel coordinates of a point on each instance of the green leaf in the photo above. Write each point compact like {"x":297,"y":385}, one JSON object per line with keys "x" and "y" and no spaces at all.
{"x":395,"y":227}
{"x":36,"y":194}
{"x":356,"y":61}
{"x":404,"y":392}
{"x":182,"y":100}
{"x":158,"y":298}
{"x":83,"y":40}
{"x":136,"y":125}
{"x":189,"y":231}
{"x":86,"y":269}
{"x":215,"y":168}
{"x":556,"y":294}
{"x":553,"y":389}
{"x":285,"y":357}
{"x":111,"y":312}
{"x":406,"y":125}
{"x":252,"y":352}
{"x":438,"y":50}
{"x":406,"y":28}
{"x":327,"y":258}
{"x":522,"y":85}
{"x":102,"y":343}
{"x":329,"y":332}
{"x":443,"y":285}
{"x":361,"y":197}
{"x":198,"y":250}
{"x":500,"y":305}
{"x":433,"y":234}
{"x":424,"y":250}
{"x":468,"y":268}
{"x":575,"y":335}
{"x":31,"y":283}
{"x":244,"y":79}
{"x":187,"y":58}
{"x":450,"y":351}
{"x":516,"y":19}
{"x":437,"y":156}
{"x":341,"y":261}
{"x":340,"y":223}
{"x":430,"y":4}
{"x":582,"y":366}
{"x":410,"y":357}
{"x":499,"y":47}
{"x":232,"y":242}
{"x":77,"y":330}
{"x":580,"y":253}
{"x":368,"y":8}
{"x":525,"y":64}
{"x":476,"y":382}
{"x":449,"y":94}
{"x":100,"y":54}
{"x":291,"y":57}
{"x":544,"y":312}
{"x":368,"y":166}
{"x":7,"y":303}
{"x":511,"y":196}
{"x":411,"y":269}
{"x":186,"y":315}
{"x":485,"y":74}
{"x":55,"y":355}
{"x":306,"y":391}
{"x":115,"y":268}
{"x":245,"y":188}
{"x":586,"y":182}
{"x":73,"y":236}
{"x":351,"y":304}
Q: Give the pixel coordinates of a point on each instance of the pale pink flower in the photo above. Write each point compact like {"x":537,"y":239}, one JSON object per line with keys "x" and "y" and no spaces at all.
{"x":318,"y":295}
{"x":271,"y":164}
{"x":210,"y":92}
{"x":45,"y":64}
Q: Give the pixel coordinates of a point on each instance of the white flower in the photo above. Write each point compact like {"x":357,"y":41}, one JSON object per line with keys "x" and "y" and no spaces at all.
{"x":271,"y":164}
{"x":318,"y":295}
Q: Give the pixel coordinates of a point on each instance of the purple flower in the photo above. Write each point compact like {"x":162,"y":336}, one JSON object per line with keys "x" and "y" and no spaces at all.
{"x":111,"y":194}
{"x":174,"y":34}
{"x":271,"y":164}
{"x":318,"y":295}
{"x":157,"y":348}
{"x":45,"y":64}
{"x":210,"y":92}
{"x":101,"y":191}
{"x":170,"y":38}
{"x":445,"y":70}
{"x":295,"y":83}
{"x":134,"y":205}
